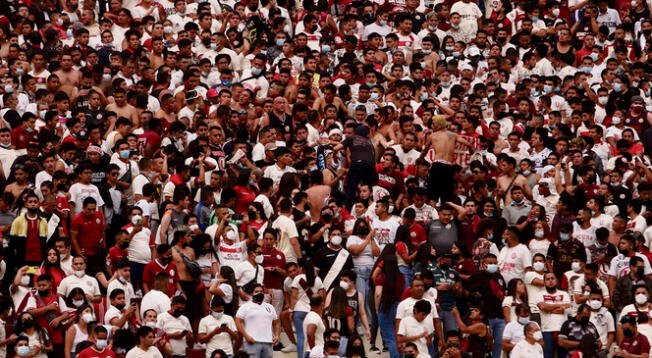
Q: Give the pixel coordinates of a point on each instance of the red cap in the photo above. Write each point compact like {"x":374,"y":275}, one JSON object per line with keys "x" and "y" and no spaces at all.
{"x":211,"y":93}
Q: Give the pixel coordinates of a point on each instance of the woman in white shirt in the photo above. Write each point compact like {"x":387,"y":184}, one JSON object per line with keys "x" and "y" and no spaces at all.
{"x":78,"y":332}
{"x":226,"y":287}
{"x":540,"y":243}
{"x":304,"y":286}
{"x":39,"y":340}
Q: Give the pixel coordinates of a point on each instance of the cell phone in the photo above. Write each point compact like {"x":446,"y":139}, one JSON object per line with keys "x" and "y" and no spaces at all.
{"x":236,"y":217}
{"x":223,"y":325}
{"x":31,"y":270}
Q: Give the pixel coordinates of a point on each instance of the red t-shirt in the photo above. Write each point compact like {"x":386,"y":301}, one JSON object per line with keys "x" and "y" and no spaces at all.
{"x":116,"y":254}
{"x":33,"y":243}
{"x":57,"y":276}
{"x":150,"y":137}
{"x":244,"y":197}
{"x":89,"y":230}
{"x":20,"y":137}
{"x":153,"y":268}
{"x":55,"y":333}
{"x":90,"y":352}
{"x":273,"y":258}
{"x":635,"y":345}
{"x":417,"y":234}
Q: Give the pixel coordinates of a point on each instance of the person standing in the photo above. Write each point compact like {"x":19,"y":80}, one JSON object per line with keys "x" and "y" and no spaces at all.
{"x":217,"y":330}
{"x":553,"y":304}
{"x":313,"y":325}
{"x":177,"y":327}
{"x":253,"y":320}
{"x":87,"y":236}
{"x":363,"y":162}
{"x":288,"y":241}
{"x":274,"y":266}
{"x":28,"y":235}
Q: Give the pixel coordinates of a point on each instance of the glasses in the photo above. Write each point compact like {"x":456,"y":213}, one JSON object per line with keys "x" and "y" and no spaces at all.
{"x":114,"y":174}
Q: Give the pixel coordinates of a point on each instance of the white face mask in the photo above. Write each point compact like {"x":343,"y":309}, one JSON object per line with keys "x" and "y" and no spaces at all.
{"x":595,"y":304}
{"x":336,"y":240}
{"x":77,"y":303}
{"x":537,"y":335}
{"x":344,"y":285}
{"x":538,"y":266}
{"x":150,"y":324}
{"x":576,"y":267}
{"x":641,"y":298}
{"x":87,"y":317}
{"x":259,"y":259}
{"x":615,"y":120}
{"x":24,"y":281}
{"x":231,"y":235}
{"x":603,"y":100}
{"x":217,"y":315}
{"x":80,"y":273}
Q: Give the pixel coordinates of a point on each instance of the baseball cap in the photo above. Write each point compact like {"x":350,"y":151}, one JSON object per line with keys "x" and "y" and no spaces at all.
{"x":94,"y":149}
{"x":211,"y":93}
{"x":192,"y":94}
{"x":270,"y":146}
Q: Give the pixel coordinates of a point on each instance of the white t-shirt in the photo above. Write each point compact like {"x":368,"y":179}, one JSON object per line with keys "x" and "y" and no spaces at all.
{"x":532,"y":290}
{"x":86,"y":283}
{"x":126,"y":287}
{"x":152,"y":352}
{"x":385,"y":230}
{"x":303,"y":301}
{"x":619,"y":266}
{"x":245,"y":272}
{"x":604,"y":323}
{"x":365,"y":258}
{"x":155,"y":300}
{"x":231,"y":254}
{"x":585,"y":236}
{"x":410,"y":327}
{"x":513,"y":261}
{"x":170,"y":324}
{"x":221,"y":340}
{"x":514,"y":332}
{"x":405,"y":308}
{"x":139,"y":250}
{"x":258,"y":320}
{"x":287,"y":229}
{"x":552,"y":322}
{"x":314,"y":318}
{"x":138,"y":183}
{"x":113,"y":313}
{"x":79,"y":192}
{"x":524,"y":349}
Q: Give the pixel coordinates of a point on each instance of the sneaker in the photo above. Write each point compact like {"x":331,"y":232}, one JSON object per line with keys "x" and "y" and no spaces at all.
{"x":374,"y":350}
{"x":289,"y":349}
{"x":385,"y":349}
{"x":278,"y":347}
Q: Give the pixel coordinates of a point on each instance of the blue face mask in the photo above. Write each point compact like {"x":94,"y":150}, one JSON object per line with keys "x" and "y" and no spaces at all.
{"x":587,"y":69}
{"x":383,"y":22}
{"x":325,"y":48}
{"x":424,"y":96}
{"x":69,"y":33}
{"x":534,"y":19}
{"x":22,"y":351}
{"x":256,"y":71}
{"x":373,"y":96}
{"x":213,"y":46}
{"x":534,"y":92}
{"x":280,"y":42}
{"x":618,"y":87}
{"x":492,"y":268}
{"x":450,"y":48}
{"x":226,"y":83}
{"x":101,"y":343}
{"x":490,"y":236}
{"x":371,"y":84}
{"x":124,"y":154}
{"x":455,"y":26}
{"x":547,"y":89}
{"x":446,"y":84}
{"x":563,"y":236}
{"x":426,"y":52}
{"x":594,"y":56}
{"x":456,"y":54}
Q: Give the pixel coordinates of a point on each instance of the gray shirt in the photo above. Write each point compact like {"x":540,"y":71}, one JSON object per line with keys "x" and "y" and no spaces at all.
{"x":442,"y":237}
{"x":512,"y":213}
{"x":361,"y":149}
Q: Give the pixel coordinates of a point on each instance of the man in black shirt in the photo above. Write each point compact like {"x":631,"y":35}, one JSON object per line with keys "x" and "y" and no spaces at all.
{"x":332,"y":260}
{"x":363,"y":160}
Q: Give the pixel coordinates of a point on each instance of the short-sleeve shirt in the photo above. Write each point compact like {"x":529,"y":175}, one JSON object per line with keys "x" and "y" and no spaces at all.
{"x":221,"y":340}
{"x":552,"y":322}
{"x":171,"y":324}
{"x":361,"y":149}
{"x":89,"y":230}
{"x":513,"y":261}
{"x":314,"y":318}
{"x":154,"y":267}
{"x":90,"y":352}
{"x":448,"y":277}
{"x":258,"y":319}
{"x":410,"y":327}
{"x":87,"y":283}
{"x":636,"y":345}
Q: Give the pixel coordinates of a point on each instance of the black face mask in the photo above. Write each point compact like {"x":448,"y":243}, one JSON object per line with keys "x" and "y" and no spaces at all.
{"x":409,"y":355}
{"x":124,"y":245}
{"x":625,"y":252}
{"x":551,"y":289}
{"x":363,"y":230}
{"x":32,"y":210}
{"x":647,"y":32}
{"x":44,"y":293}
{"x":584,"y":321}
{"x":166,"y":260}
{"x":120,"y":306}
{"x":28,"y":323}
{"x":258,"y":298}
{"x":252,"y":214}
{"x":628,"y":333}
{"x":640,"y":272}
{"x":206,"y":41}
{"x":177,"y":313}
{"x":327,"y":217}
{"x":444,"y":267}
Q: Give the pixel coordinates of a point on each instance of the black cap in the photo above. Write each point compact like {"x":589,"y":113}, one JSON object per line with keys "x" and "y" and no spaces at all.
{"x":281,"y":151}
{"x":82,"y":135}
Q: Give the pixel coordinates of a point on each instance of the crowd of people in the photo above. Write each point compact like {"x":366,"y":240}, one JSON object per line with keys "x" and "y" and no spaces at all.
{"x":425,"y":178}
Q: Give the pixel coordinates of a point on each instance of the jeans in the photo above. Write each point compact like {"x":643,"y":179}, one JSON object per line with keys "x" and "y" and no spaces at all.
{"x":408,"y":275}
{"x":297,"y":318}
{"x":362,"y":284}
{"x":448,"y":320}
{"x":258,"y":350}
{"x":137,"y":270}
{"x":344,"y":341}
{"x":549,"y":346}
{"x":497,"y":326}
{"x":387,"y":325}
{"x":359,"y":171}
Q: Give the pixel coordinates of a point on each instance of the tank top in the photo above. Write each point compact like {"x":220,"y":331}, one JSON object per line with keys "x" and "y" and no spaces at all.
{"x":354,"y":302}
{"x":79,"y":337}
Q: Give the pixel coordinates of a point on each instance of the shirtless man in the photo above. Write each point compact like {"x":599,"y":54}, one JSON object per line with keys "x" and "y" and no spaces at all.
{"x":69,"y":77}
{"x":441,"y":182}
{"x":122,"y":108}
{"x":156,"y":56}
{"x":330,"y":98}
{"x":509,"y":179}
{"x":168,"y":109}
{"x":181,"y":246}
{"x":21,"y":183}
